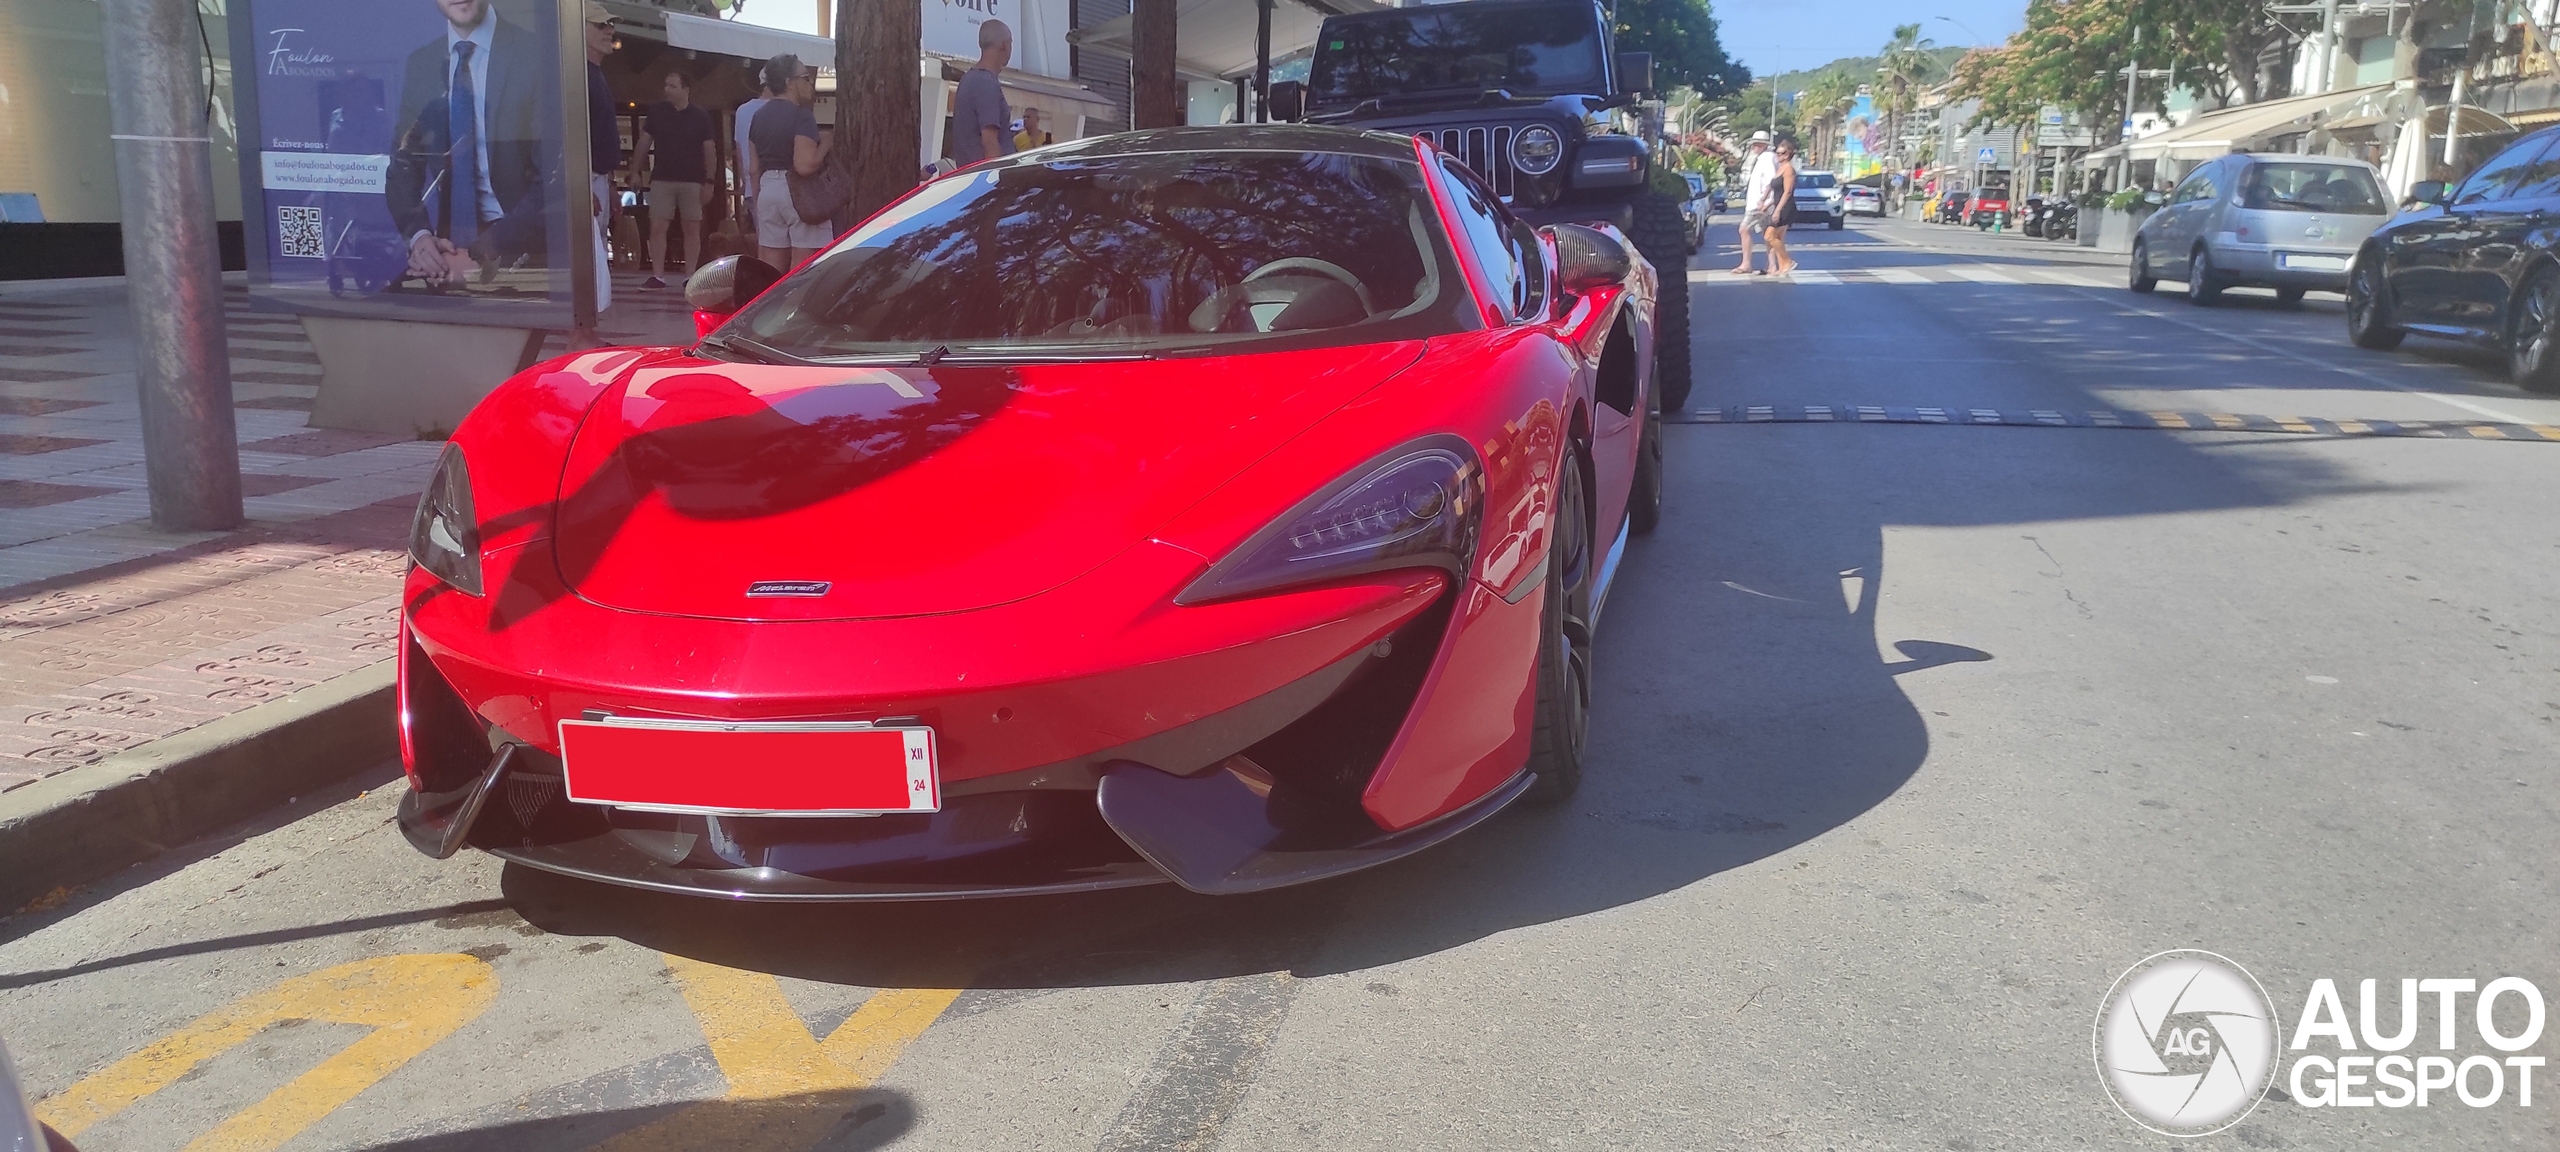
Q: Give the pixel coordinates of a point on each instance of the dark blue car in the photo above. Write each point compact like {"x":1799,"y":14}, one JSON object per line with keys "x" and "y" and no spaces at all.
{"x":2475,"y":261}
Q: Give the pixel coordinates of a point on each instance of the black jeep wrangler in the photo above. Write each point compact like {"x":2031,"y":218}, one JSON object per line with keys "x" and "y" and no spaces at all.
{"x":1533,"y":97}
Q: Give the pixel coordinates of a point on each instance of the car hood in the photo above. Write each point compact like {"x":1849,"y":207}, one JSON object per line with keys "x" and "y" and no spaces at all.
{"x":770,"y":492}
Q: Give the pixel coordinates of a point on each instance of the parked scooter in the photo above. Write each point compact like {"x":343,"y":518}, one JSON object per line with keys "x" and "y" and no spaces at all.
{"x":2061,"y":220}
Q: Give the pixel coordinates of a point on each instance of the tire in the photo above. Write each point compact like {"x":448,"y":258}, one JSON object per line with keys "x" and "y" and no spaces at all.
{"x":1839,"y":222}
{"x":1563,"y":727}
{"x":2289,"y":297}
{"x":2138,"y":277}
{"x":1658,"y":236}
{"x":2369,"y":307}
{"x":2203,"y":285}
{"x":2533,"y":341}
{"x":1644,"y":502}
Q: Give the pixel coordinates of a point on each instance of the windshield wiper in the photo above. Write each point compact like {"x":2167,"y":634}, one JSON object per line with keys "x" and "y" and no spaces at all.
{"x":991,"y":354}
{"x":750,"y":349}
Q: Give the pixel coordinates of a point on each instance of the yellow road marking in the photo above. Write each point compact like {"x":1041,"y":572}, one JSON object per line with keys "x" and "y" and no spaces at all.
{"x":410,"y":1002}
{"x":2167,"y":419}
{"x":2227,"y":420}
{"x":2485,"y":432}
{"x":2354,"y":427}
{"x":2293,"y":423}
{"x":784,"y":1082}
{"x":2545,"y":431}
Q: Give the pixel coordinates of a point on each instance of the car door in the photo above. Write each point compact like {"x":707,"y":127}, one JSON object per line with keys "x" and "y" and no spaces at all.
{"x":2435,"y":275}
{"x":2182,"y":220}
{"x":2513,"y":232}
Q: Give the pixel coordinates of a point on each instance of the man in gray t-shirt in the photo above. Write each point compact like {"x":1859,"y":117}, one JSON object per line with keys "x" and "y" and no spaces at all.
{"x":981,"y":126}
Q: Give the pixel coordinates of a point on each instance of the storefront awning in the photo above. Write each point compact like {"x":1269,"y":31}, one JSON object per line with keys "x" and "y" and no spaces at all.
{"x":747,"y":41}
{"x":1214,"y":39}
{"x":2236,"y":129}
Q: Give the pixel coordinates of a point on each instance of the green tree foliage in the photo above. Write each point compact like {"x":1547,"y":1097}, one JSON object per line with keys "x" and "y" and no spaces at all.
{"x":1681,"y":34}
{"x":2073,"y":55}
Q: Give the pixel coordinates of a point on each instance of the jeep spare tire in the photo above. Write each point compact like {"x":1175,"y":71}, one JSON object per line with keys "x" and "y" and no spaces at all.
{"x":1662,"y":239}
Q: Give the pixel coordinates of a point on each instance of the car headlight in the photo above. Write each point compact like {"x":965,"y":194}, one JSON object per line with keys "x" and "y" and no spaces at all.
{"x":445,"y":537}
{"x":1537,"y":150}
{"x":1415,"y":507}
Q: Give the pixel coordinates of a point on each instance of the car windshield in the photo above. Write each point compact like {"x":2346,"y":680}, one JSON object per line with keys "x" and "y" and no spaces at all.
{"x":1816,"y":180}
{"x":2312,"y":188}
{"x":1155,"y":254}
{"x":1521,"y":49}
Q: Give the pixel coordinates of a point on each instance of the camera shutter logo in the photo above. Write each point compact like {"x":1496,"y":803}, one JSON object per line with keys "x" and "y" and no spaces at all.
{"x":2186,"y":1043}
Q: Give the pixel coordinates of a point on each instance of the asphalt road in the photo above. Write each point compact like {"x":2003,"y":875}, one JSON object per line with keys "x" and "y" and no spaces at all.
{"x":1912,"y":737}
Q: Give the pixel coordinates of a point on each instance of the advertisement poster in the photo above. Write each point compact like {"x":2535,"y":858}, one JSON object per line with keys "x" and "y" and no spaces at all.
{"x":1861,"y":142}
{"x":408,"y":159}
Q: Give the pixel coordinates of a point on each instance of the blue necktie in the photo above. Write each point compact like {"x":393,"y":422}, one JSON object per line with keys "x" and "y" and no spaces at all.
{"x":462,"y":219}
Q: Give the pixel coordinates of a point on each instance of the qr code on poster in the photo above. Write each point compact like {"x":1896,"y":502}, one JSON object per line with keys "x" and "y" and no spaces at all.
{"x":299,"y":229}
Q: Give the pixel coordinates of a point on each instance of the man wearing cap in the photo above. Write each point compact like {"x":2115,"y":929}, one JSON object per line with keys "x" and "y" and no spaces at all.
{"x":1759,"y":192}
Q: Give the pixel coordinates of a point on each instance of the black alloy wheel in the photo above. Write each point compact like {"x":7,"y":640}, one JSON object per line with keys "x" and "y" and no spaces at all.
{"x":2369,"y":307}
{"x":1644,"y":500}
{"x":2139,"y":277}
{"x":1564,"y":641}
{"x":2533,"y":346}
{"x":2204,"y":285}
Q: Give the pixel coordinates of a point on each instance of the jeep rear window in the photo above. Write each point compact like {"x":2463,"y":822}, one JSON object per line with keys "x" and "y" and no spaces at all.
{"x":1523,"y":49}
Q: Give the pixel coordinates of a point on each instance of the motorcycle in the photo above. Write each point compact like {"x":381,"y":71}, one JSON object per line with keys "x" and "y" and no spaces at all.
{"x":2061,"y":220}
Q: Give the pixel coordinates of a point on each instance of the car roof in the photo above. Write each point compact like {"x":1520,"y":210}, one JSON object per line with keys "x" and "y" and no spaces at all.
{"x":2297,"y":158}
{"x":1226,"y":138}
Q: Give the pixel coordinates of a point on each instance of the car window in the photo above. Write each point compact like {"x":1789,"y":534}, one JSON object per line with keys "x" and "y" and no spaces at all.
{"x":2542,"y":180}
{"x":2499,"y":177}
{"x":2296,"y":187}
{"x":1166,"y":253}
{"x":1806,"y":179}
{"x":2199,"y":186}
{"x":1511,"y":267}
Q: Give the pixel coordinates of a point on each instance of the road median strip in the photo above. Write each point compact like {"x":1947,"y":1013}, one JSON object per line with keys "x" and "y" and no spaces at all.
{"x":86,"y":823}
{"x":2142,"y":421}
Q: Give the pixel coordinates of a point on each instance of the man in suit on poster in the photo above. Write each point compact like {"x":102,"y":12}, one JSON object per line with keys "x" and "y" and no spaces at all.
{"x":468,"y":185}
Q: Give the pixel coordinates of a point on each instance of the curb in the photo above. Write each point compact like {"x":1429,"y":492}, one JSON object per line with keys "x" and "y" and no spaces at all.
{"x":83,"y":824}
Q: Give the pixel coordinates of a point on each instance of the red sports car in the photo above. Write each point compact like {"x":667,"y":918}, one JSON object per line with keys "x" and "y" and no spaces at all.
{"x":1233,"y":506}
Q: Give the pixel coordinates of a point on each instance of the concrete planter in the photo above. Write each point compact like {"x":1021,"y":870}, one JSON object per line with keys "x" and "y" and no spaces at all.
{"x":2116,"y":227}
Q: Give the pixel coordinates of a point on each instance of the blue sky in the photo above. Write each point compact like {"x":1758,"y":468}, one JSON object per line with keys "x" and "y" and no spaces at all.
{"x":1773,"y":36}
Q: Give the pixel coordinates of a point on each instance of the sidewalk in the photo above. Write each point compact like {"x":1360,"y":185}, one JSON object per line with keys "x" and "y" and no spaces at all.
{"x":113,"y":634}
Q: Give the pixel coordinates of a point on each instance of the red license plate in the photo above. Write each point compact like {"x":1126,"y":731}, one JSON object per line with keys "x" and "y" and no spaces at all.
{"x":813,"y":769}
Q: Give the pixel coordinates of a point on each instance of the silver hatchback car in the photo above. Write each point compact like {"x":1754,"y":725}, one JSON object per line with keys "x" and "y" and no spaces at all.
{"x":2270,"y":220}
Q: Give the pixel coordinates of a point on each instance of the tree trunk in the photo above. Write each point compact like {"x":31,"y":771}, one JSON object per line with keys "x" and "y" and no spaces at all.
{"x":1155,"y":95}
{"x":879,"y":101}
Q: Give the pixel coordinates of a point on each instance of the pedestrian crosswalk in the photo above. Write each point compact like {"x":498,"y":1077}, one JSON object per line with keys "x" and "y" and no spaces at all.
{"x":2076,"y":276}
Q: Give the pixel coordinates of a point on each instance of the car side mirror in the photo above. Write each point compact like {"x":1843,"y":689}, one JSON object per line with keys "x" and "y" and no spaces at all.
{"x":1288,"y":101}
{"x":2436,"y":192}
{"x":1588,"y":259}
{"x":1635,"y":73}
{"x":2154,"y":199}
{"x":725,"y":285}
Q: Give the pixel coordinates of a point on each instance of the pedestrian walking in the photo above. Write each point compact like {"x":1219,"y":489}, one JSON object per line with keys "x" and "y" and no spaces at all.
{"x":786,"y":141}
{"x":677,"y":160}
{"x":1760,"y":173}
{"x":1783,"y":215}
{"x":742,"y":154}
{"x":604,"y":142}
{"x":981,"y":127}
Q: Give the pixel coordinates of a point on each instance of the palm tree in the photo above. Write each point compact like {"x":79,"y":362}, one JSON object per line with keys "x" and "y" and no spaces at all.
{"x":1907,"y":68}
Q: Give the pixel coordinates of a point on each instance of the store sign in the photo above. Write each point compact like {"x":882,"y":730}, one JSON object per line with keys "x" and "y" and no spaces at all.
{"x":376,"y":183}
{"x":951,"y":26}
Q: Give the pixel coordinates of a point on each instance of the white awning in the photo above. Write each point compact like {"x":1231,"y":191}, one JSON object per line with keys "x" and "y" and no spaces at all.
{"x":2236,"y":129}
{"x":1214,"y":39}
{"x":747,"y":41}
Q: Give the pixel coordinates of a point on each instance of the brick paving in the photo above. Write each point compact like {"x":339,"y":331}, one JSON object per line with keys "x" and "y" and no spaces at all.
{"x":114,"y":634}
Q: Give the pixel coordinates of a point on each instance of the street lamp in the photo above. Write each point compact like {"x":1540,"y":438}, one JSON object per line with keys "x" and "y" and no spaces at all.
{"x":1970,"y":35}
